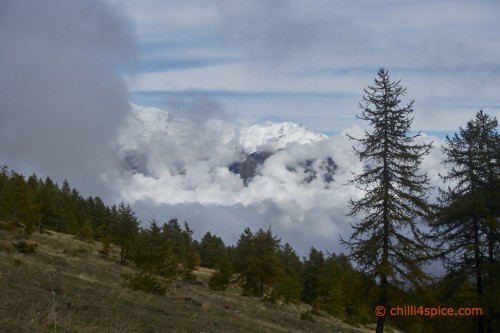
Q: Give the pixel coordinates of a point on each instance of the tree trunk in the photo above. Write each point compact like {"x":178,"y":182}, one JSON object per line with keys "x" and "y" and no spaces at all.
{"x":479,"y":275}
{"x":382,"y":302}
{"x":261,"y":292}
{"x":491,"y":277}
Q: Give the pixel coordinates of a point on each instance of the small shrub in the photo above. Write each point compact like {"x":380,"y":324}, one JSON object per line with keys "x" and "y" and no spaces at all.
{"x":145,"y":282}
{"x":221,"y":278}
{"x":307,"y":316}
{"x":219,"y":281}
{"x":106,"y":247}
{"x":25,"y":247}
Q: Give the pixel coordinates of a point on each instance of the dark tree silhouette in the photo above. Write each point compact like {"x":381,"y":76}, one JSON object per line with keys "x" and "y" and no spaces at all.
{"x":467,"y":224}
{"x":387,"y":243}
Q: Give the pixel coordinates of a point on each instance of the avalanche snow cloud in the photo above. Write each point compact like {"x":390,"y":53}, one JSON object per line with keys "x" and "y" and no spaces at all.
{"x":298,"y":185}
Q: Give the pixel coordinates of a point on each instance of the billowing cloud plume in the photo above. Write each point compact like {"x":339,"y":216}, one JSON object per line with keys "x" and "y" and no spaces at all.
{"x":171,"y":165}
{"x":61,"y":92}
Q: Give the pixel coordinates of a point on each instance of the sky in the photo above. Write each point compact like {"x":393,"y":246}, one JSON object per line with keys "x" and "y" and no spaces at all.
{"x":70,"y":69}
{"x":308,"y":61}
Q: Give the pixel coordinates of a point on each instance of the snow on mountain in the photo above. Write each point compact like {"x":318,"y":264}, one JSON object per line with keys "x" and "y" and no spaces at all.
{"x":147,"y":124}
{"x":209,"y":160}
{"x":275,"y":136}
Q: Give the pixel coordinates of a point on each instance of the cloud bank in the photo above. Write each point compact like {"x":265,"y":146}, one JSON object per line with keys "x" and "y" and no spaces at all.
{"x":62,"y":97}
{"x":169,"y":165}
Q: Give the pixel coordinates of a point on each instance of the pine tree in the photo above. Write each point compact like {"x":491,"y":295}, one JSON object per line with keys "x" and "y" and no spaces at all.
{"x":50,"y":207}
{"x":125,"y":230}
{"x":66,"y":202}
{"x":4,"y":180}
{"x":211,"y":249}
{"x":289,"y":287}
{"x":265,"y":260}
{"x":468,"y":221}
{"x":149,"y":253}
{"x":99,"y":216}
{"x":191,"y":259}
{"x":153,"y":254}
{"x":18,"y":202}
{"x":241,"y":262}
{"x":314,"y":268}
{"x":395,"y":193}
{"x":175,"y":236}
{"x":257,"y":261}
{"x":221,"y":278}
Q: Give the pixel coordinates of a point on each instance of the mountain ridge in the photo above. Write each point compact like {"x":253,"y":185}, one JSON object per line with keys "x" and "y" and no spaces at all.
{"x":150,"y":128}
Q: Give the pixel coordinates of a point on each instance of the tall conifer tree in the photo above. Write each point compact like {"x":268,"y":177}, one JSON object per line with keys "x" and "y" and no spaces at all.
{"x":387,"y":243}
{"x":125,"y":229}
{"x":468,"y":221}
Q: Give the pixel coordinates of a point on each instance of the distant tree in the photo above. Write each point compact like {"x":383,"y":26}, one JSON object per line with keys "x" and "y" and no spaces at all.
{"x":173,"y":234}
{"x":341,"y":289}
{"x":183,"y":246}
{"x":98,"y":213}
{"x":34,"y":185}
{"x":221,"y":278}
{"x":211,"y":248}
{"x":241,"y":262}
{"x":18,"y":203}
{"x":125,"y":230}
{"x":4,"y":180}
{"x":153,"y":254}
{"x":289,"y":286}
{"x":314,"y":271}
{"x":387,"y":243}
{"x":191,"y":260}
{"x":468,"y":221}
{"x":257,"y":262}
{"x":69,"y":209}
{"x":50,"y":206}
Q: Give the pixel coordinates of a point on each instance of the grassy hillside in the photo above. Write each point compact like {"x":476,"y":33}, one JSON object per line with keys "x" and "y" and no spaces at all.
{"x":65,"y":285}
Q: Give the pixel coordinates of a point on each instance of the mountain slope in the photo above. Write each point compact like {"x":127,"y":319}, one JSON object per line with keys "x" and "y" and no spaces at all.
{"x":67,"y":286}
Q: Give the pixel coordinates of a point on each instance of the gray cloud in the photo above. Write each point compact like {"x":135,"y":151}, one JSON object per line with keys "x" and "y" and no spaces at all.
{"x":197,"y":108}
{"x":61,"y":94}
{"x":266,"y":30}
{"x":363,"y":34}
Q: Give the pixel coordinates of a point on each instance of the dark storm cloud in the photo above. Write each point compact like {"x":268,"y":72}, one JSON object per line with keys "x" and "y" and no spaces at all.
{"x":61,"y":96}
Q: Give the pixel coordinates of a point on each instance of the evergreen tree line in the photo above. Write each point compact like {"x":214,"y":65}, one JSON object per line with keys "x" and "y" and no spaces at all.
{"x":264,"y":267}
{"x":35,"y":203}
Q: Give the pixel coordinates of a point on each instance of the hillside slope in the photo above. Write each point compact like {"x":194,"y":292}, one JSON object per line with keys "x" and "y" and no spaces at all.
{"x":67,"y":286}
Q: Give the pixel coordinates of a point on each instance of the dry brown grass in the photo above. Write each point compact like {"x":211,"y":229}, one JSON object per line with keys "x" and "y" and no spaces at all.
{"x":67,"y":286}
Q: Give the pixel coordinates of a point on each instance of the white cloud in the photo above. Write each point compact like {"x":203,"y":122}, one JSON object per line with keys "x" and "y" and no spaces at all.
{"x":187,"y":165}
